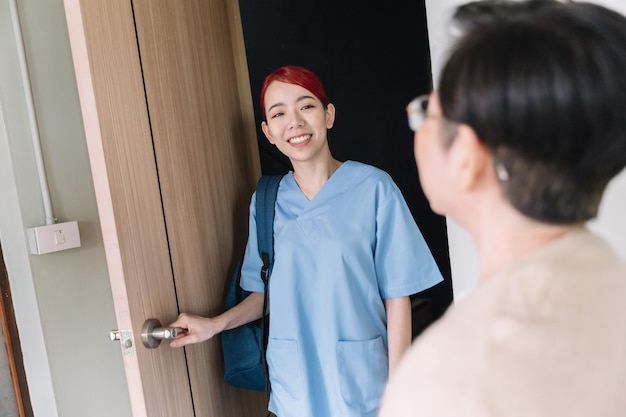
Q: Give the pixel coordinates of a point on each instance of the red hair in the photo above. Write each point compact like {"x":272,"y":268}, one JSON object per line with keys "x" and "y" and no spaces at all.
{"x":293,"y":74}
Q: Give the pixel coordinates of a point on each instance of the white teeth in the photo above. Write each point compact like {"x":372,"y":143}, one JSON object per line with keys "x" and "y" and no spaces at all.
{"x":299,"y":139}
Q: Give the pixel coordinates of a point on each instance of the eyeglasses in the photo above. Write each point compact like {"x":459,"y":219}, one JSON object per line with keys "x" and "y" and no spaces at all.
{"x":416,"y":111}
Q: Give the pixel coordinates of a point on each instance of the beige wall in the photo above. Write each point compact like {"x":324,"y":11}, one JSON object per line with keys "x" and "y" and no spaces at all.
{"x":62,"y":300}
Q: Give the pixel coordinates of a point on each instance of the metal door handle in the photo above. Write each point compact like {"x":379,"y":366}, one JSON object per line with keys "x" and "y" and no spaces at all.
{"x":152,"y":333}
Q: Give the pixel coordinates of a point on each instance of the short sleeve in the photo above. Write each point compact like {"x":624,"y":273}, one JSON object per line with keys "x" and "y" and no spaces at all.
{"x":252,"y":263}
{"x":404,"y":262}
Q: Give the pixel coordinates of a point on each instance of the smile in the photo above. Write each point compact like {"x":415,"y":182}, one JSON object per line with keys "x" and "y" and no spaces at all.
{"x":299,"y":139}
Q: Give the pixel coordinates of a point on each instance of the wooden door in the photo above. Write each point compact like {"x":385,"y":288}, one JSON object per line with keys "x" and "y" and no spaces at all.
{"x":168,"y":118}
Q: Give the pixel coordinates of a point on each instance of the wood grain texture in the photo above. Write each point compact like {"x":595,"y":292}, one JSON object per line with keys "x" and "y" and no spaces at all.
{"x":168,"y":116}
{"x":129,"y":202}
{"x":206,"y":155}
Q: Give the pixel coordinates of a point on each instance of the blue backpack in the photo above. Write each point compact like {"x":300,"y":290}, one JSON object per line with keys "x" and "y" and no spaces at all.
{"x":244,"y":347}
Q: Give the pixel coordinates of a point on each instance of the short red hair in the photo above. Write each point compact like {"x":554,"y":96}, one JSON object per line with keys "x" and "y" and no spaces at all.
{"x":293,"y":74}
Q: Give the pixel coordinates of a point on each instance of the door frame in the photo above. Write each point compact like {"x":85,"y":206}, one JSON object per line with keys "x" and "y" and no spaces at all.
{"x":17,"y":264}
{"x":12,"y":342}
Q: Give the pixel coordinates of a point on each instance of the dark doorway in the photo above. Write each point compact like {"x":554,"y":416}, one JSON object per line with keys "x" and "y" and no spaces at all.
{"x":373,"y":60}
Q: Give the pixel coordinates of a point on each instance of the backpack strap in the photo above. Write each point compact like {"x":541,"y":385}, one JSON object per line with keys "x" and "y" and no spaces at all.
{"x":266,"y":192}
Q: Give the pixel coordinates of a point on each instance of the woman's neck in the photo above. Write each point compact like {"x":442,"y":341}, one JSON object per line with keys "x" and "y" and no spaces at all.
{"x":311,"y":176}
{"x":503,"y":236}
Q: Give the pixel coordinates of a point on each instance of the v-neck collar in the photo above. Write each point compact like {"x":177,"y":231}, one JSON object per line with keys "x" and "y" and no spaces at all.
{"x":322,"y":191}
{"x":300,"y":205}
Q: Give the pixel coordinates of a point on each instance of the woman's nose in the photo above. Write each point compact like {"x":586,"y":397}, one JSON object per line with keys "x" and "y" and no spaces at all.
{"x":296,"y":121}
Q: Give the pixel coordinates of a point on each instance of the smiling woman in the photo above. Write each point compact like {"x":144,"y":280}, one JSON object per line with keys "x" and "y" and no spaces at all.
{"x":342,"y":277}
{"x":372,"y":59}
{"x":297,"y":122}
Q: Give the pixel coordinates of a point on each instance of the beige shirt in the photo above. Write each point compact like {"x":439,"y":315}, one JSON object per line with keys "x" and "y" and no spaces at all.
{"x":546,"y":337}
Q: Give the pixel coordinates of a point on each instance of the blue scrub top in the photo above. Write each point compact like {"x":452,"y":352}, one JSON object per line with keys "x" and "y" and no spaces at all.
{"x":337,"y":257}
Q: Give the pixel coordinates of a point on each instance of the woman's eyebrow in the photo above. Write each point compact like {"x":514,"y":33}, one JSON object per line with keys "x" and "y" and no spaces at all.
{"x":275,"y":105}
{"x":297,"y":100}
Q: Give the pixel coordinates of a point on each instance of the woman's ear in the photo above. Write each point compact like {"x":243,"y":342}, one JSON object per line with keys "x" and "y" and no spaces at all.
{"x":471,"y":158}
{"x":330,"y":115}
{"x":266,"y":132}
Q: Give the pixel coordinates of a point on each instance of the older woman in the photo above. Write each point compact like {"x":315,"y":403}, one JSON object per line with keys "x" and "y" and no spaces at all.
{"x":517,"y":145}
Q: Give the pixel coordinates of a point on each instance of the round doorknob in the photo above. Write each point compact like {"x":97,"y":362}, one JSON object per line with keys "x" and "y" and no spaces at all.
{"x":152,"y":333}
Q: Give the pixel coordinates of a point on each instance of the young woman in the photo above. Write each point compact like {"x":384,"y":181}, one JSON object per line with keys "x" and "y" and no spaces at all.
{"x":347,"y":256}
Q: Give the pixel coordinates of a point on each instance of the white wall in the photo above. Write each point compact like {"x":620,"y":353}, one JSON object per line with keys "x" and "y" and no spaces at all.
{"x":611,"y":222}
{"x":62,"y":301}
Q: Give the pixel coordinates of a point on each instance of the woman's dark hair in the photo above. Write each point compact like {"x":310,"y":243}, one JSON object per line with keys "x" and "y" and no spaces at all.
{"x":543,"y":85}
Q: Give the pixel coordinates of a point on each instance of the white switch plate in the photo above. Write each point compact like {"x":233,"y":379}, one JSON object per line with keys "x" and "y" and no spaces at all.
{"x":53,"y":237}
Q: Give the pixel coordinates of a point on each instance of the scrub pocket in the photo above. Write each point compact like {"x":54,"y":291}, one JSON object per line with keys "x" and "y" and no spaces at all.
{"x":363,"y":372}
{"x":283,"y":359}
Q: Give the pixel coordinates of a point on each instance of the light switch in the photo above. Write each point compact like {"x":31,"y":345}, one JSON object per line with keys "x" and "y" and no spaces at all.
{"x":59,"y":237}
{"x":53,"y":237}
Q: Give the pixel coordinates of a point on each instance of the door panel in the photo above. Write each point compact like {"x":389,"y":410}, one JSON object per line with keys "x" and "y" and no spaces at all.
{"x":208,"y":166}
{"x":170,"y":135}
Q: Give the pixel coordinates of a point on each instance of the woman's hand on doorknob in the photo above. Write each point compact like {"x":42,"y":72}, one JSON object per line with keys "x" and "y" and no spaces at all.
{"x":196,"y":329}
